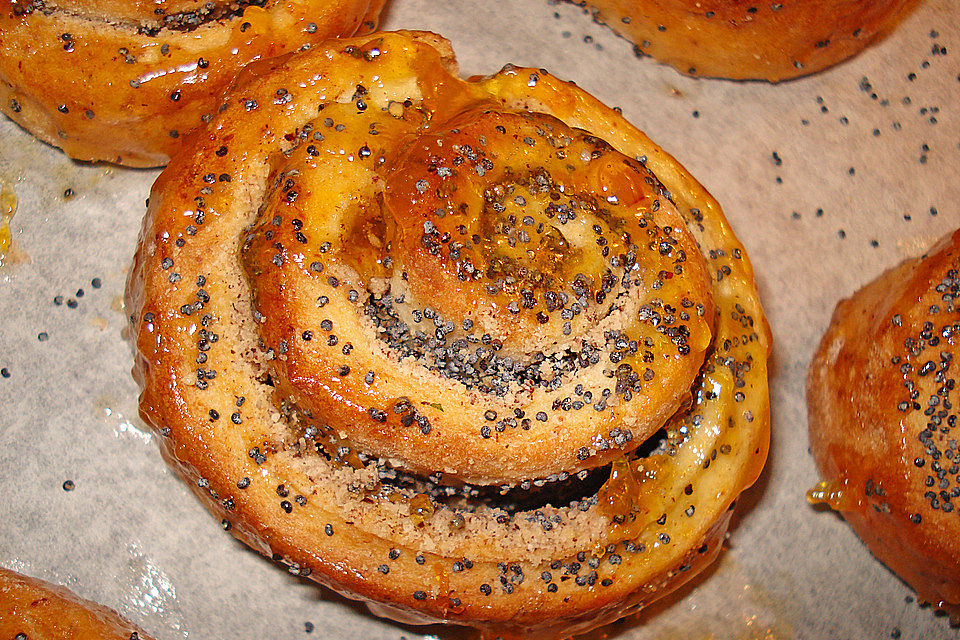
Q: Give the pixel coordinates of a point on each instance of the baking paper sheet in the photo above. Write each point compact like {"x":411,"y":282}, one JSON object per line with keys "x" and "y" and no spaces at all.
{"x":827,"y":180}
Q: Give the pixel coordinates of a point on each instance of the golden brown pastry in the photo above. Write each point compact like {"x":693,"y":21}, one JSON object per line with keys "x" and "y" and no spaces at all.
{"x":750,"y":41}
{"x":474,"y":351}
{"x":883,"y":403}
{"x":31,"y":609}
{"x":125,"y":80}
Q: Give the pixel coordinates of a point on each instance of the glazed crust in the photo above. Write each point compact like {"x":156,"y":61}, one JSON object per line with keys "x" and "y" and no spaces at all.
{"x":276,"y":254}
{"x":38,"y":609}
{"x":125,"y":81}
{"x":882,"y":403}
{"x":744,"y":41}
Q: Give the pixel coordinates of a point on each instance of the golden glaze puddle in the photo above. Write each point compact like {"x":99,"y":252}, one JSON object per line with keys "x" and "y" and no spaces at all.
{"x":836,"y":495}
{"x":8,"y":207}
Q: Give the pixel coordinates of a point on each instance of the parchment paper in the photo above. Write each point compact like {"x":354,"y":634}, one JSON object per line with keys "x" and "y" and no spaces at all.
{"x":828,"y":181}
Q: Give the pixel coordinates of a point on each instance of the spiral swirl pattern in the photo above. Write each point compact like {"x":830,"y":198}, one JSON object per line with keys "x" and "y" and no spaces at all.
{"x":481,"y":336}
{"x":126,"y":81}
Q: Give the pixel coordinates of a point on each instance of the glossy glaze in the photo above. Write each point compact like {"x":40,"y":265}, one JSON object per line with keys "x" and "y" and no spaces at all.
{"x":883,"y":419}
{"x":328,"y":189}
{"x":8,"y":207}
{"x":750,"y":41}
{"x":38,"y":609}
{"x":113,"y":83}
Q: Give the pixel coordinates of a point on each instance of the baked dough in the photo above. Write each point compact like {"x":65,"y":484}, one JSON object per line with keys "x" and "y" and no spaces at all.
{"x":36,"y":610}
{"x":125,"y":81}
{"x":474,"y":351}
{"x":883,"y":420}
{"x":771,"y":41}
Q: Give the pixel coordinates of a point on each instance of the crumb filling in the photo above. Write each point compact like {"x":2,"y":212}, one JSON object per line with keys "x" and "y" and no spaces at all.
{"x":546,"y":518}
{"x":533,"y":507}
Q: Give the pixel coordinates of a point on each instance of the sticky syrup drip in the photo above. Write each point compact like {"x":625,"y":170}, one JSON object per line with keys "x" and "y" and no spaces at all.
{"x":8,"y":207}
{"x":421,"y":509}
{"x":834,"y":494}
{"x":627,"y":496}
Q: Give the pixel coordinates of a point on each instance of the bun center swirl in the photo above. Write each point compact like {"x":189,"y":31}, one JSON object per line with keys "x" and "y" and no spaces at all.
{"x":509,"y":298}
